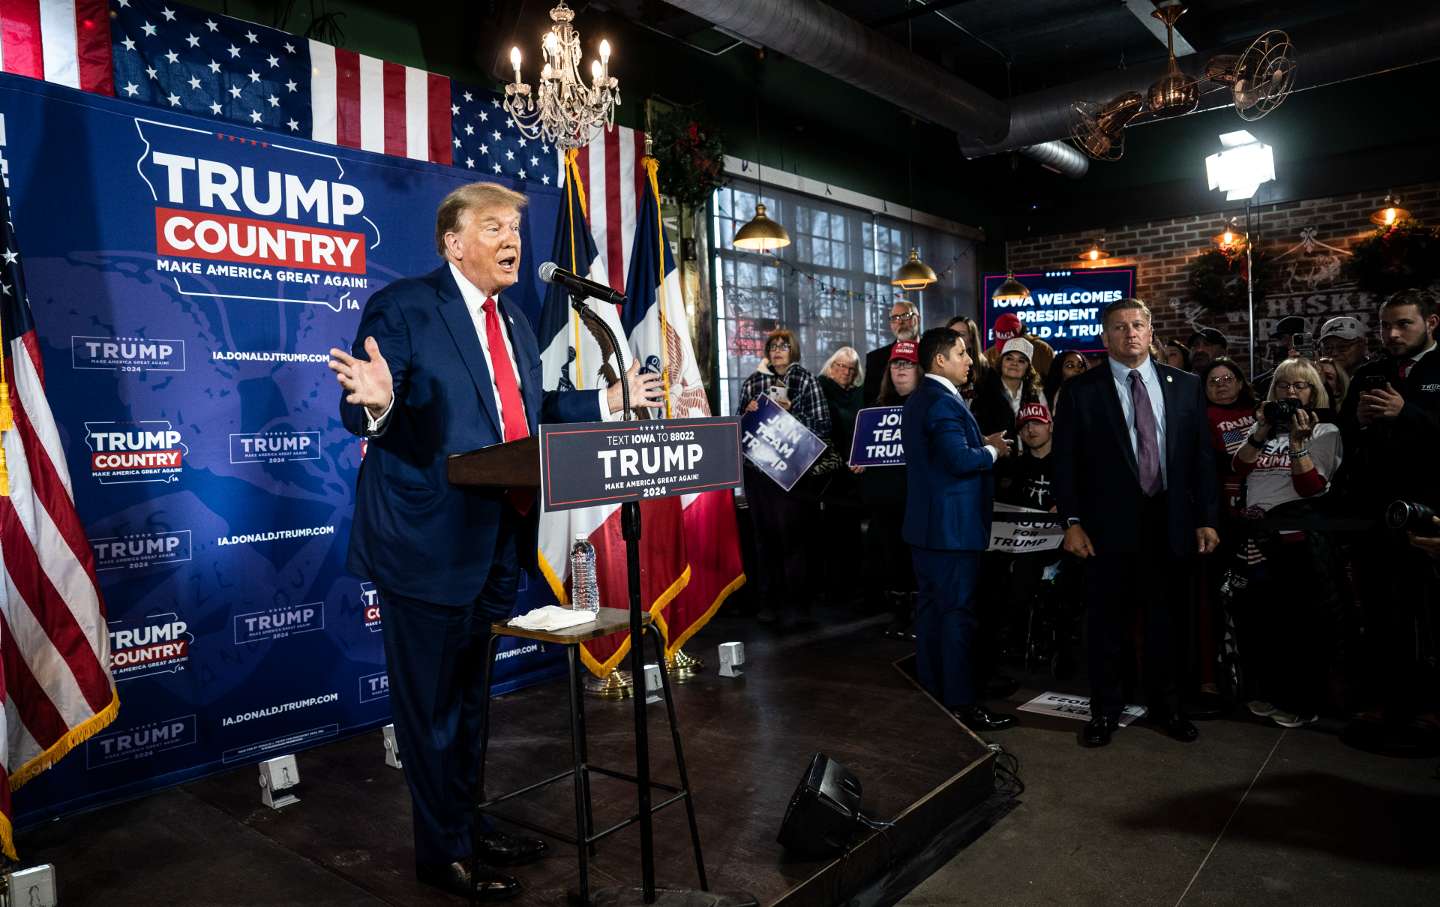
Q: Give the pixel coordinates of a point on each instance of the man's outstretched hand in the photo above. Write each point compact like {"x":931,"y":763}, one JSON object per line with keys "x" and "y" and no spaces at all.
{"x":367,"y":383}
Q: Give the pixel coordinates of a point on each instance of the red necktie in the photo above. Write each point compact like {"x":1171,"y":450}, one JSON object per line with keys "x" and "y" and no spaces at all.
{"x":1405,"y":368}
{"x":512,"y":405}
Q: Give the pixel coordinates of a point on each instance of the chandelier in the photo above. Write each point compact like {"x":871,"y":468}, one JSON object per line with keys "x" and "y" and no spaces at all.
{"x":563,"y":110}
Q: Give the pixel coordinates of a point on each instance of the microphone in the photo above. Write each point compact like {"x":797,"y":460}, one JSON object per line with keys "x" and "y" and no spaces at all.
{"x":553,"y":273}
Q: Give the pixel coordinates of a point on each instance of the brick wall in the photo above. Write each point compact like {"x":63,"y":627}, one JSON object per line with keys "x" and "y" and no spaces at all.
{"x":1307,"y":240}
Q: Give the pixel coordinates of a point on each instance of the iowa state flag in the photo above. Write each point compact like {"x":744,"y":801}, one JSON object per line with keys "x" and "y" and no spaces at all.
{"x":574,"y":358}
{"x":659,"y":336}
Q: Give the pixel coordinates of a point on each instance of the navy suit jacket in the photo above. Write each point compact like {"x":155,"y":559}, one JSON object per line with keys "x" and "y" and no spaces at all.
{"x":414,"y":533}
{"x":1097,"y":479}
{"x":950,"y":475}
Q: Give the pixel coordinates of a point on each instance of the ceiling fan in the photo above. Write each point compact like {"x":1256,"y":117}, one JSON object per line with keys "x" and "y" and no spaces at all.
{"x":1259,"y":79}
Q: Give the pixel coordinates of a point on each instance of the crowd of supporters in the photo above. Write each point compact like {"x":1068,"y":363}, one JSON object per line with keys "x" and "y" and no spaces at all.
{"x":1319,"y":601}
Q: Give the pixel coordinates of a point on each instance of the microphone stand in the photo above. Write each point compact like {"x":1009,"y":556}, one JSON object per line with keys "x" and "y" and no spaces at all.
{"x":630,"y":531}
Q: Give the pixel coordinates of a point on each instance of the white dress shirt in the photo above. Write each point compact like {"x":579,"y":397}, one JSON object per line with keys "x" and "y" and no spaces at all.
{"x":474,"y":304}
{"x":1148,"y":374}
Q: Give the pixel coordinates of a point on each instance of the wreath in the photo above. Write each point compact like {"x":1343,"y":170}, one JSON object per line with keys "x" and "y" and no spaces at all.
{"x":1402,"y":257}
{"x":1218,"y":277}
{"x":691,"y":157}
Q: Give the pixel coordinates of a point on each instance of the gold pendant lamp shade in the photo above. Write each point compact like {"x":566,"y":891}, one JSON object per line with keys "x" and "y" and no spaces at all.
{"x":761,"y":234}
{"x":1011,"y":290}
{"x":914,"y":274}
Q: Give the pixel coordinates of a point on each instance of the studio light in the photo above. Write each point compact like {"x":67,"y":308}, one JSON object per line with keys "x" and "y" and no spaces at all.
{"x":1243,"y":165}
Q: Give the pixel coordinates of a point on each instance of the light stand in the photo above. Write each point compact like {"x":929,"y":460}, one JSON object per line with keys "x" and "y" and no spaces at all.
{"x":1250,"y":284}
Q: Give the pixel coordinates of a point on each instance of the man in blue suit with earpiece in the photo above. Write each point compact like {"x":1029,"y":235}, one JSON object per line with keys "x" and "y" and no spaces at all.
{"x":442,"y":365}
{"x":949,"y":498}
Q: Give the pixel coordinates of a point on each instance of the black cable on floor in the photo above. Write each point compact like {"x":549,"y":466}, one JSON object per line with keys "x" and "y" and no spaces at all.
{"x":1007,"y":772}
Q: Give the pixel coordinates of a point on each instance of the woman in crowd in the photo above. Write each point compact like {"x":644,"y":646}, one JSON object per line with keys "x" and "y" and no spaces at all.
{"x":1066,"y":366}
{"x":1177,"y":355}
{"x":1337,"y":381}
{"x":882,"y":488}
{"x":1004,"y":390}
{"x":1288,"y":457}
{"x":840,"y":380}
{"x":1230,"y":409}
{"x":838,"y":541}
{"x":979,"y":365}
{"x":782,"y":521}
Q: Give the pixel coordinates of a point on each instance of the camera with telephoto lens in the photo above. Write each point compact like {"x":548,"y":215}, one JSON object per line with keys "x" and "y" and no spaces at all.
{"x":1279,"y":413}
{"x":1408,"y":515}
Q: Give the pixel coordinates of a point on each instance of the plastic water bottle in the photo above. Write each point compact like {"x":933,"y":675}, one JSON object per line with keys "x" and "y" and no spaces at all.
{"x":584,"y":591}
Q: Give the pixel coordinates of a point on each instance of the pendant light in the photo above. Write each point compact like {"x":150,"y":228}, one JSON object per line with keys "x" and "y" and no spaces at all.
{"x":1232,"y":237}
{"x":1096,"y":252}
{"x":760,"y":234}
{"x":1390,"y":212}
{"x":1011,"y":291}
{"x":914,"y":274}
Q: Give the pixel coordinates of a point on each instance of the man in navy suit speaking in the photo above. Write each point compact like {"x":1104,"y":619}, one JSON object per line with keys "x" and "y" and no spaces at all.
{"x":1135,"y":482}
{"x":442,"y":365}
{"x":950,"y":494}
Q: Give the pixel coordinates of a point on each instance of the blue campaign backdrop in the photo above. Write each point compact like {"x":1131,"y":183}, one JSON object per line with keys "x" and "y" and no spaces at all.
{"x":187,"y":285}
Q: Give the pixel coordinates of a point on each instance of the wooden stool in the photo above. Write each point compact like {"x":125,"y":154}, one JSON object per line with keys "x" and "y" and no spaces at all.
{"x":609,"y":620}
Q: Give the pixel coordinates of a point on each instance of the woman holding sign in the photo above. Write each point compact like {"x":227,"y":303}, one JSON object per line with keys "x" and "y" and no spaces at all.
{"x":783,"y":521}
{"x":882,"y":488}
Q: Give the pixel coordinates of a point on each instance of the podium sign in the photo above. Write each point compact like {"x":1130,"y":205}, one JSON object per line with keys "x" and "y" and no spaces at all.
{"x":590,"y":463}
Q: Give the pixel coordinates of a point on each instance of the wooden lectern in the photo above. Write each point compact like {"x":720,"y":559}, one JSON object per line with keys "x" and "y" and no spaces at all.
{"x":514,"y":464}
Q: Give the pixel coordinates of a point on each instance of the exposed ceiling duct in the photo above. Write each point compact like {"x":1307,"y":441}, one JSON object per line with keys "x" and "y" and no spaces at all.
{"x":828,"y":40}
{"x":1331,"y":51}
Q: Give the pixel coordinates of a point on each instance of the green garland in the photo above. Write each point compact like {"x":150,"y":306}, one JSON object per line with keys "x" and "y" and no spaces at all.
{"x":1401,"y":257}
{"x":1217,"y":279}
{"x":691,"y":156}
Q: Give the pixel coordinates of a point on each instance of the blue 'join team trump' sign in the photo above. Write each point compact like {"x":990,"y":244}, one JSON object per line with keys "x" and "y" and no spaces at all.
{"x":1064,"y":309}
{"x":877,"y":437}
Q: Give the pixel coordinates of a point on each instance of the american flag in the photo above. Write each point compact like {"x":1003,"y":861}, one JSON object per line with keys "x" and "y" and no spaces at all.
{"x":486,"y":140}
{"x":230,"y":70}
{"x":62,"y":41}
{"x":56,"y":685}
{"x":615,"y":186}
{"x":234,"y":71}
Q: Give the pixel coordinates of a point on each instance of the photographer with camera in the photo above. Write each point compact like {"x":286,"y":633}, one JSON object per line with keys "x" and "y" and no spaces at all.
{"x":1391,"y":420}
{"x":1289,"y":456}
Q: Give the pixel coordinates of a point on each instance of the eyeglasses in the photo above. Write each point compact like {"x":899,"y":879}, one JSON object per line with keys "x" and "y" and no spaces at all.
{"x":905,"y":317}
{"x":1282,"y":386}
{"x":1222,"y":379}
{"x":780,"y":345}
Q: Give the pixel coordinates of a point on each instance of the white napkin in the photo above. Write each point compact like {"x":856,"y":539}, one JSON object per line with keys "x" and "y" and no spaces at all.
{"x":551,"y":618}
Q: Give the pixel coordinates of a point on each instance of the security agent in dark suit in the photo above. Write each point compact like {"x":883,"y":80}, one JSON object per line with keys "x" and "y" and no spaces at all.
{"x":950,"y":494}
{"x":1135,"y":480}
{"x":445,"y":367}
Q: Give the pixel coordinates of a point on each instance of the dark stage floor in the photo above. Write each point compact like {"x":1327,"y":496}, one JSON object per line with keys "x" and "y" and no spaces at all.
{"x":1249,"y":814}
{"x":833,"y":689}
